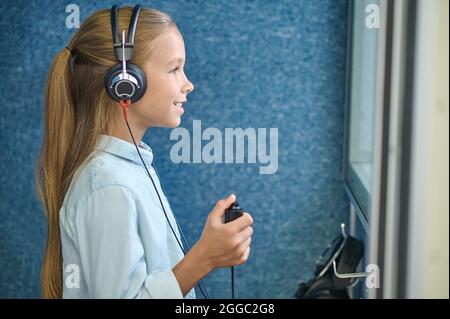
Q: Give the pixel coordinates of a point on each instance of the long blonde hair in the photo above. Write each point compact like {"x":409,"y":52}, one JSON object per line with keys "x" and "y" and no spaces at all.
{"x":77,"y":110}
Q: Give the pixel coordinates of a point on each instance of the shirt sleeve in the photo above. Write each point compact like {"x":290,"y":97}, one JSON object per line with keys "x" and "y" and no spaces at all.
{"x":112,"y":256}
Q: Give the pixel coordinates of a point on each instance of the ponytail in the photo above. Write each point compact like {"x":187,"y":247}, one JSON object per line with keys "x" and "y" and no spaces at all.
{"x":59,"y":127}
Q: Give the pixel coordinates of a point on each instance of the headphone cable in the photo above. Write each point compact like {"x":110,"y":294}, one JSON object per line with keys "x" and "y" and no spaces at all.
{"x":180,"y":230}
{"x":232,"y":282}
{"x":125,"y":105}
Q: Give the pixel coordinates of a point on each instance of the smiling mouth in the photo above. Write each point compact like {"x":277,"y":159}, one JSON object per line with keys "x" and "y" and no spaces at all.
{"x":179,"y":106}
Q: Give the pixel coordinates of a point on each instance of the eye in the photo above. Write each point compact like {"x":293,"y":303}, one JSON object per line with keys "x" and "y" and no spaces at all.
{"x":175,"y":70}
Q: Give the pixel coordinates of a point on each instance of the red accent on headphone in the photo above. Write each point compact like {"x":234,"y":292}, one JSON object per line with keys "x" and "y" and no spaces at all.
{"x":125,"y":104}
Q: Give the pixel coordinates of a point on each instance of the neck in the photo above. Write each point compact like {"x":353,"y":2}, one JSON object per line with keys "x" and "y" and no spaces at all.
{"x":120,"y":130}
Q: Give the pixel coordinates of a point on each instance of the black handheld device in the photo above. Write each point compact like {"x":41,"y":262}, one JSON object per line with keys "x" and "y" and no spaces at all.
{"x":233,"y":212}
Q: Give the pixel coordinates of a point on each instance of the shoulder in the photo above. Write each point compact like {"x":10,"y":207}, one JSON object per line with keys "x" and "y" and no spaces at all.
{"x":101,"y":171}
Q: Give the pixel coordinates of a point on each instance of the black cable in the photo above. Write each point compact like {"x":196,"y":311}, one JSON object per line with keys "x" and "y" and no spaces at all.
{"x":187,"y":244}
{"x":181,"y":231}
{"x":160,"y":200}
{"x":232,"y":282}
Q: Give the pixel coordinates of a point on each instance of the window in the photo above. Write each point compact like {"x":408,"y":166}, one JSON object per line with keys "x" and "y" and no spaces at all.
{"x":361,"y":100}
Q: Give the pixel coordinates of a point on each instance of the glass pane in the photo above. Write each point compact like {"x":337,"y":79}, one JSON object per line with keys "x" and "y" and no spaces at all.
{"x":362,"y":104}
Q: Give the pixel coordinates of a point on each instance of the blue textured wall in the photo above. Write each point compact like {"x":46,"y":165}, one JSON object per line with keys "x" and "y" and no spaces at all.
{"x":257,"y":64}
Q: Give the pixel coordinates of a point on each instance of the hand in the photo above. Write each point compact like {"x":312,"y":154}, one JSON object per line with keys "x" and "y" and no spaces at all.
{"x":225,"y":245}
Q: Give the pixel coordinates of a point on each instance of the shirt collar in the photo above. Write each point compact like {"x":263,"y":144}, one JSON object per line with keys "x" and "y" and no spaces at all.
{"x":124,"y":149}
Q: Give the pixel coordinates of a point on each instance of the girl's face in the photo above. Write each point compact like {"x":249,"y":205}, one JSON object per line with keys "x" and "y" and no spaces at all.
{"x":167,"y":85}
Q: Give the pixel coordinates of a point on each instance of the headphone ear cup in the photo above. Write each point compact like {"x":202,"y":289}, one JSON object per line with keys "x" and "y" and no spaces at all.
{"x":137,"y":72}
{"x":132,"y":87}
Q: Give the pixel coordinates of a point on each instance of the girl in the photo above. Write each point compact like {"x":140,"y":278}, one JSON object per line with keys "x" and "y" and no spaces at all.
{"x":107,"y":233}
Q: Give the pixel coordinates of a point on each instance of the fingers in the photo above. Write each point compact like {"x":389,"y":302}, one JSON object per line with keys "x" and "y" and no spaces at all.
{"x":219,"y":210}
{"x":245,"y":234}
{"x":241,"y":248}
{"x":246,"y":243}
{"x":244,"y":257}
{"x":242,"y":222}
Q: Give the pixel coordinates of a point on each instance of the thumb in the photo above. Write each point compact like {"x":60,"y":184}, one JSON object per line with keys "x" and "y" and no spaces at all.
{"x":219,"y":210}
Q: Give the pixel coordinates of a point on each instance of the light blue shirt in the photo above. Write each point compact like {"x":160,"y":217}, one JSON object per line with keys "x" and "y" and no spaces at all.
{"x":116,"y":242}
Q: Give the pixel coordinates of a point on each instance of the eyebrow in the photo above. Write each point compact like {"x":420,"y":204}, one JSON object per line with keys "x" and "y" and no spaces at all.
{"x":175,"y":60}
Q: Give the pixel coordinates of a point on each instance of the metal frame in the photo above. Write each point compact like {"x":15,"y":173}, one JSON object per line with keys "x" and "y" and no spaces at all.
{"x":373,"y":220}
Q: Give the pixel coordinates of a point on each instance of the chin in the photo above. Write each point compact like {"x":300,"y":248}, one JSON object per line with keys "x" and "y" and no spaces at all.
{"x":174,"y":124}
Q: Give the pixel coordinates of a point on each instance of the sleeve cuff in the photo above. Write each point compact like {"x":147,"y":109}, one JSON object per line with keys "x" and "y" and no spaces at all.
{"x":162,"y":285}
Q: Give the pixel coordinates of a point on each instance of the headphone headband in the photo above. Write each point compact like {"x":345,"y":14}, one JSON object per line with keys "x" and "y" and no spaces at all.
{"x":129,"y":44}
{"x":125,"y":80}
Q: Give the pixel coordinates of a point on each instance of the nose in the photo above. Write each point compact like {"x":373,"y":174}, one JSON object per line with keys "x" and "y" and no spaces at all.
{"x":188,"y":87}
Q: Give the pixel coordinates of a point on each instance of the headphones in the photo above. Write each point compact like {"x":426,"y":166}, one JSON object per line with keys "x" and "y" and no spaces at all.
{"x":125,"y":81}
